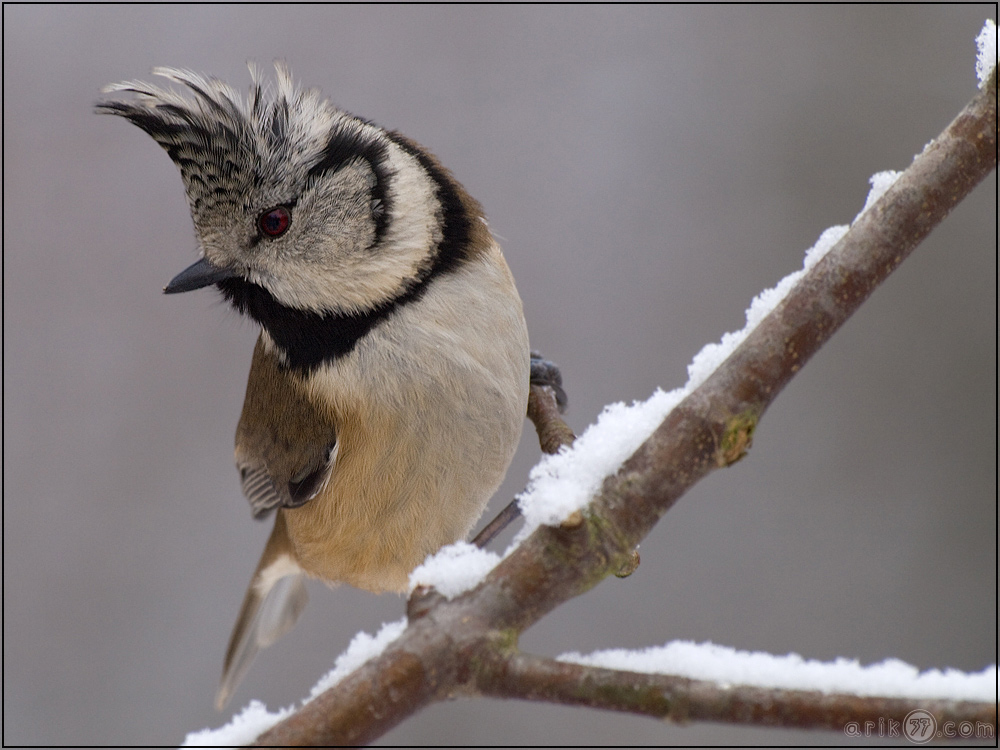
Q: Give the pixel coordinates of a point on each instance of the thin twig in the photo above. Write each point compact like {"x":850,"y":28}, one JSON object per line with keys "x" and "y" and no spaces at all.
{"x":553,"y":433}
{"x":543,"y":411}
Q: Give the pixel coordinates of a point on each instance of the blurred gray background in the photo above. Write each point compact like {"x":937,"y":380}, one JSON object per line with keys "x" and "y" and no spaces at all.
{"x":649,"y":169}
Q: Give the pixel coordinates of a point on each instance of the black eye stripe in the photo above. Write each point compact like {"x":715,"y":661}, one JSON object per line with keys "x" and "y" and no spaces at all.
{"x":343,"y":147}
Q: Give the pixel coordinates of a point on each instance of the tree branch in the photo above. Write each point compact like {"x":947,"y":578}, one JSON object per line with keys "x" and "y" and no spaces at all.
{"x":467,"y":645}
{"x":682,"y":699}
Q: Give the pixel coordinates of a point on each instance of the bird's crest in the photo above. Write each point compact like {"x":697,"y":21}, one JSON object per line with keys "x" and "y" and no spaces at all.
{"x":225,"y":144}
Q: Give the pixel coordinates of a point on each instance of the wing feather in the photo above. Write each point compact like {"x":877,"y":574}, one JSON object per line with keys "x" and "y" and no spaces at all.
{"x":286,"y":448}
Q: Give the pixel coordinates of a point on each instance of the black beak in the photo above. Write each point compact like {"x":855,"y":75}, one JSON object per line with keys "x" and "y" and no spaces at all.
{"x":196,"y":276}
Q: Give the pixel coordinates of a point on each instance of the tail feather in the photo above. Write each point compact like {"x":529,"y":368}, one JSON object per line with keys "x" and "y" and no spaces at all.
{"x":272,"y":604}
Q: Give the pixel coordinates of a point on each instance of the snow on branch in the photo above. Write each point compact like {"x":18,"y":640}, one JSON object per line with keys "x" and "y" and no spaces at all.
{"x":891,"y":678}
{"x":682,"y":698}
{"x":987,"y":57}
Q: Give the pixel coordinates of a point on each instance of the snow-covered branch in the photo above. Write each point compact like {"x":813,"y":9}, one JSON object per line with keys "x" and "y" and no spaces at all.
{"x":681,"y":698}
{"x":465,"y":642}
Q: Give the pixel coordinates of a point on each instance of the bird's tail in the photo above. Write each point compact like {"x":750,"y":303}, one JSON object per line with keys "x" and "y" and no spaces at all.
{"x":272,"y":604}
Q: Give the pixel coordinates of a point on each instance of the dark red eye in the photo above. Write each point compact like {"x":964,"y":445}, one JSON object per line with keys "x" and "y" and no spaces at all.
{"x":275,"y":222}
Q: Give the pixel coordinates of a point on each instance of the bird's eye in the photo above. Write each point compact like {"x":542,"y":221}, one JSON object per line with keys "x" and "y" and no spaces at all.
{"x":275,"y":221}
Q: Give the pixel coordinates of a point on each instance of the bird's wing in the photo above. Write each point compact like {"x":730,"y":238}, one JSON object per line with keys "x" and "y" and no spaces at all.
{"x":285,"y":447}
{"x":272,"y":604}
{"x":286,"y":450}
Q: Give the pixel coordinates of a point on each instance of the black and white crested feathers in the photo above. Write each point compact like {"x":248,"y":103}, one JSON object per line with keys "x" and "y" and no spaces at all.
{"x":373,"y":216}
{"x":226,"y":146}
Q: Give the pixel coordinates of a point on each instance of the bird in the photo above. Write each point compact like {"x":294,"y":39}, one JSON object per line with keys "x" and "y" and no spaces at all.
{"x":389,"y":382}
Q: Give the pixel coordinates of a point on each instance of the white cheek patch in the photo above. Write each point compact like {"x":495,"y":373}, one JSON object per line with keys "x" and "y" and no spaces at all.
{"x":333,"y":267}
